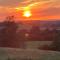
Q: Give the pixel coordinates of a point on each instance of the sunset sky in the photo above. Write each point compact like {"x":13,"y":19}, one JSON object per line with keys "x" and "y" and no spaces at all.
{"x":39,"y":9}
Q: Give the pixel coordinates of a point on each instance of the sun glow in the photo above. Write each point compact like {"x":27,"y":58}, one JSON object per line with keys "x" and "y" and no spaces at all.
{"x":27,"y":9}
{"x":27,"y":14}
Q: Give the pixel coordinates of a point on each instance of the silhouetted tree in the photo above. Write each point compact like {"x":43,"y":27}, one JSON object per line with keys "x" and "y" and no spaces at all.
{"x":9,"y":32}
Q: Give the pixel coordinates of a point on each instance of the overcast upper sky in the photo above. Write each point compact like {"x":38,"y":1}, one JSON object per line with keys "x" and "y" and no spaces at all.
{"x":49,"y":9}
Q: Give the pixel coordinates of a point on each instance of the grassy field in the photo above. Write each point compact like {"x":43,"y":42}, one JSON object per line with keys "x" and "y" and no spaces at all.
{"x":37,"y":44}
{"x":27,"y":54}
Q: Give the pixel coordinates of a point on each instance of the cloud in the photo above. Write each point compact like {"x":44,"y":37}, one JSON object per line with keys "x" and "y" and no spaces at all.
{"x":51,"y":11}
{"x":43,"y":8}
{"x":25,"y":2}
{"x":47,"y":9}
{"x":9,"y":2}
{"x":18,"y":2}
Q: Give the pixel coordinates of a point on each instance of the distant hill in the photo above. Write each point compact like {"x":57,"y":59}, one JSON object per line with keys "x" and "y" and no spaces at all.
{"x":41,"y":22}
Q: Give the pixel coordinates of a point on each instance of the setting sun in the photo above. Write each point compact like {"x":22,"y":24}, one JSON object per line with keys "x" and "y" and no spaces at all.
{"x":27,"y":14}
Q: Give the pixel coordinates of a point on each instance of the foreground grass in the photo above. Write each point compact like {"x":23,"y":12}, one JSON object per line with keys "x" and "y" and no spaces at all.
{"x":27,"y":54}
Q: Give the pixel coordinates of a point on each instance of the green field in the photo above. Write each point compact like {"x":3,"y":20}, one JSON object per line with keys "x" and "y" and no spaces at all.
{"x":28,"y":54}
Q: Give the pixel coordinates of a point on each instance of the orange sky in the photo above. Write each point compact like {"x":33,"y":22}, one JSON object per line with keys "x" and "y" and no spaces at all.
{"x":40,"y":9}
